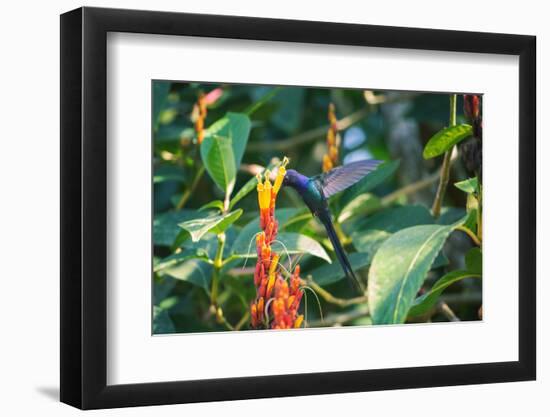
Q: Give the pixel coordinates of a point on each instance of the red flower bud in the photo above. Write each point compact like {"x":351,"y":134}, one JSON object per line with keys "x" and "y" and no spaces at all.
{"x":471,"y":106}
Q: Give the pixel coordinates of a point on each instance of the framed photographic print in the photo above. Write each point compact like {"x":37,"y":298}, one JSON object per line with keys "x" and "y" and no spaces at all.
{"x":257,"y":208}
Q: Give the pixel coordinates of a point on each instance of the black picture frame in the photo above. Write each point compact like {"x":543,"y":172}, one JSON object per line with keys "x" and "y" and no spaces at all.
{"x":84,"y":207}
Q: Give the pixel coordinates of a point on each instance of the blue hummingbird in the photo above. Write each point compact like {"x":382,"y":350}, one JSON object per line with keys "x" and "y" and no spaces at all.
{"x":315,"y":192}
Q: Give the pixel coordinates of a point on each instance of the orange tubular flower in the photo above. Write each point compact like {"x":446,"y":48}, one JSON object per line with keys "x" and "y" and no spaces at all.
{"x":200,"y":111}
{"x":330,"y":159}
{"x":286,"y":302}
{"x":276,"y":304}
{"x":199,"y":116}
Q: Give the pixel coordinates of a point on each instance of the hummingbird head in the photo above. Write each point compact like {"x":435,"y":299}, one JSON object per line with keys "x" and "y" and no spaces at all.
{"x":295,"y":180}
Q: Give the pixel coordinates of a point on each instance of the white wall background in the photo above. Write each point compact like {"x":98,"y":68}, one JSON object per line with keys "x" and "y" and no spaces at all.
{"x":29,"y":209}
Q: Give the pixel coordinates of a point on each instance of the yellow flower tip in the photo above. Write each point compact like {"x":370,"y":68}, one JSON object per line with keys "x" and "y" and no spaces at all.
{"x":264,"y":192}
{"x":332,"y":114}
{"x":279,"y":179}
{"x":333,"y":153}
{"x":285,"y":162}
{"x":290,"y":301}
{"x":273,"y":264}
{"x":270,"y":284}
{"x":259,"y":178}
{"x":267,"y":176}
{"x":265,"y":197}
{"x":261,"y":305}
{"x":261,"y":195}
{"x":327,"y":163}
{"x":331,"y":138}
{"x":298,"y":321}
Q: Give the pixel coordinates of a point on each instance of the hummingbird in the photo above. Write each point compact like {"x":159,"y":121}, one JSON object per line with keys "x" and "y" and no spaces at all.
{"x":315,"y":192}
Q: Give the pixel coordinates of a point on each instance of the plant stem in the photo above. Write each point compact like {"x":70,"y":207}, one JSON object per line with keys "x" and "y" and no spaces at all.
{"x":409,"y":189}
{"x":342,"y":318}
{"x":308,"y":136}
{"x":446,"y":167}
{"x":341,"y":235}
{"x":187,"y":193}
{"x":469,"y":298}
{"x":329,"y":298}
{"x":311,"y":135}
{"x":470,"y":234}
{"x":226,"y":202}
{"x":242,"y":321}
{"x":218,"y":263}
{"x":447,"y":311}
{"x":479,"y":213}
{"x":227,"y":325}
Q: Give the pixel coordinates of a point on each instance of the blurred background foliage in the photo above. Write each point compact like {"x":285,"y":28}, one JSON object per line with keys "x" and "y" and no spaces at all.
{"x":292,"y":121}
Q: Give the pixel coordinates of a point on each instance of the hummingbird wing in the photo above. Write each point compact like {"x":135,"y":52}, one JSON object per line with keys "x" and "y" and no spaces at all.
{"x":342,"y":177}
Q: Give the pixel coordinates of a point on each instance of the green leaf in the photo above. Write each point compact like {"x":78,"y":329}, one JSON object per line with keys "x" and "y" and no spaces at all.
{"x":162,"y":323}
{"x":297,"y":222}
{"x":472,"y":206}
{"x":287,"y":243}
{"x":375,"y":178}
{"x":243,"y":192}
{"x":262,"y":100}
{"x":450,"y":215}
{"x":217,"y":204}
{"x":162,"y":288}
{"x":180,"y":239}
{"x":369,"y":241}
{"x":217,"y":156}
{"x":440,"y":260}
{"x":329,"y":274}
{"x":399,"y":268}
{"x":445,"y":139}
{"x":235,"y":126}
{"x":168,"y":173}
{"x":468,"y":186}
{"x":215,"y":224}
{"x":208,"y":245}
{"x":177,"y":258}
{"x":165,"y":226}
{"x":290,"y":101}
{"x":362,"y":204}
{"x":169,"y":302}
{"x":160,"y":93}
{"x":375,"y":230}
{"x":172,"y":134}
{"x":193,"y":271}
{"x":246,"y":188}
{"x":245,"y":239}
{"x":474,"y":261}
{"x":293,"y":243}
{"x":425,"y":302}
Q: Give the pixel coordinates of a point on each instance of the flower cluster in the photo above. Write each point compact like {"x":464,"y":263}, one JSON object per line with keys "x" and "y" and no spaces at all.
{"x":286,"y":302}
{"x":472,"y":111}
{"x":276,"y":303}
{"x":472,"y":148}
{"x":200,"y":111}
{"x":330,"y":159}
